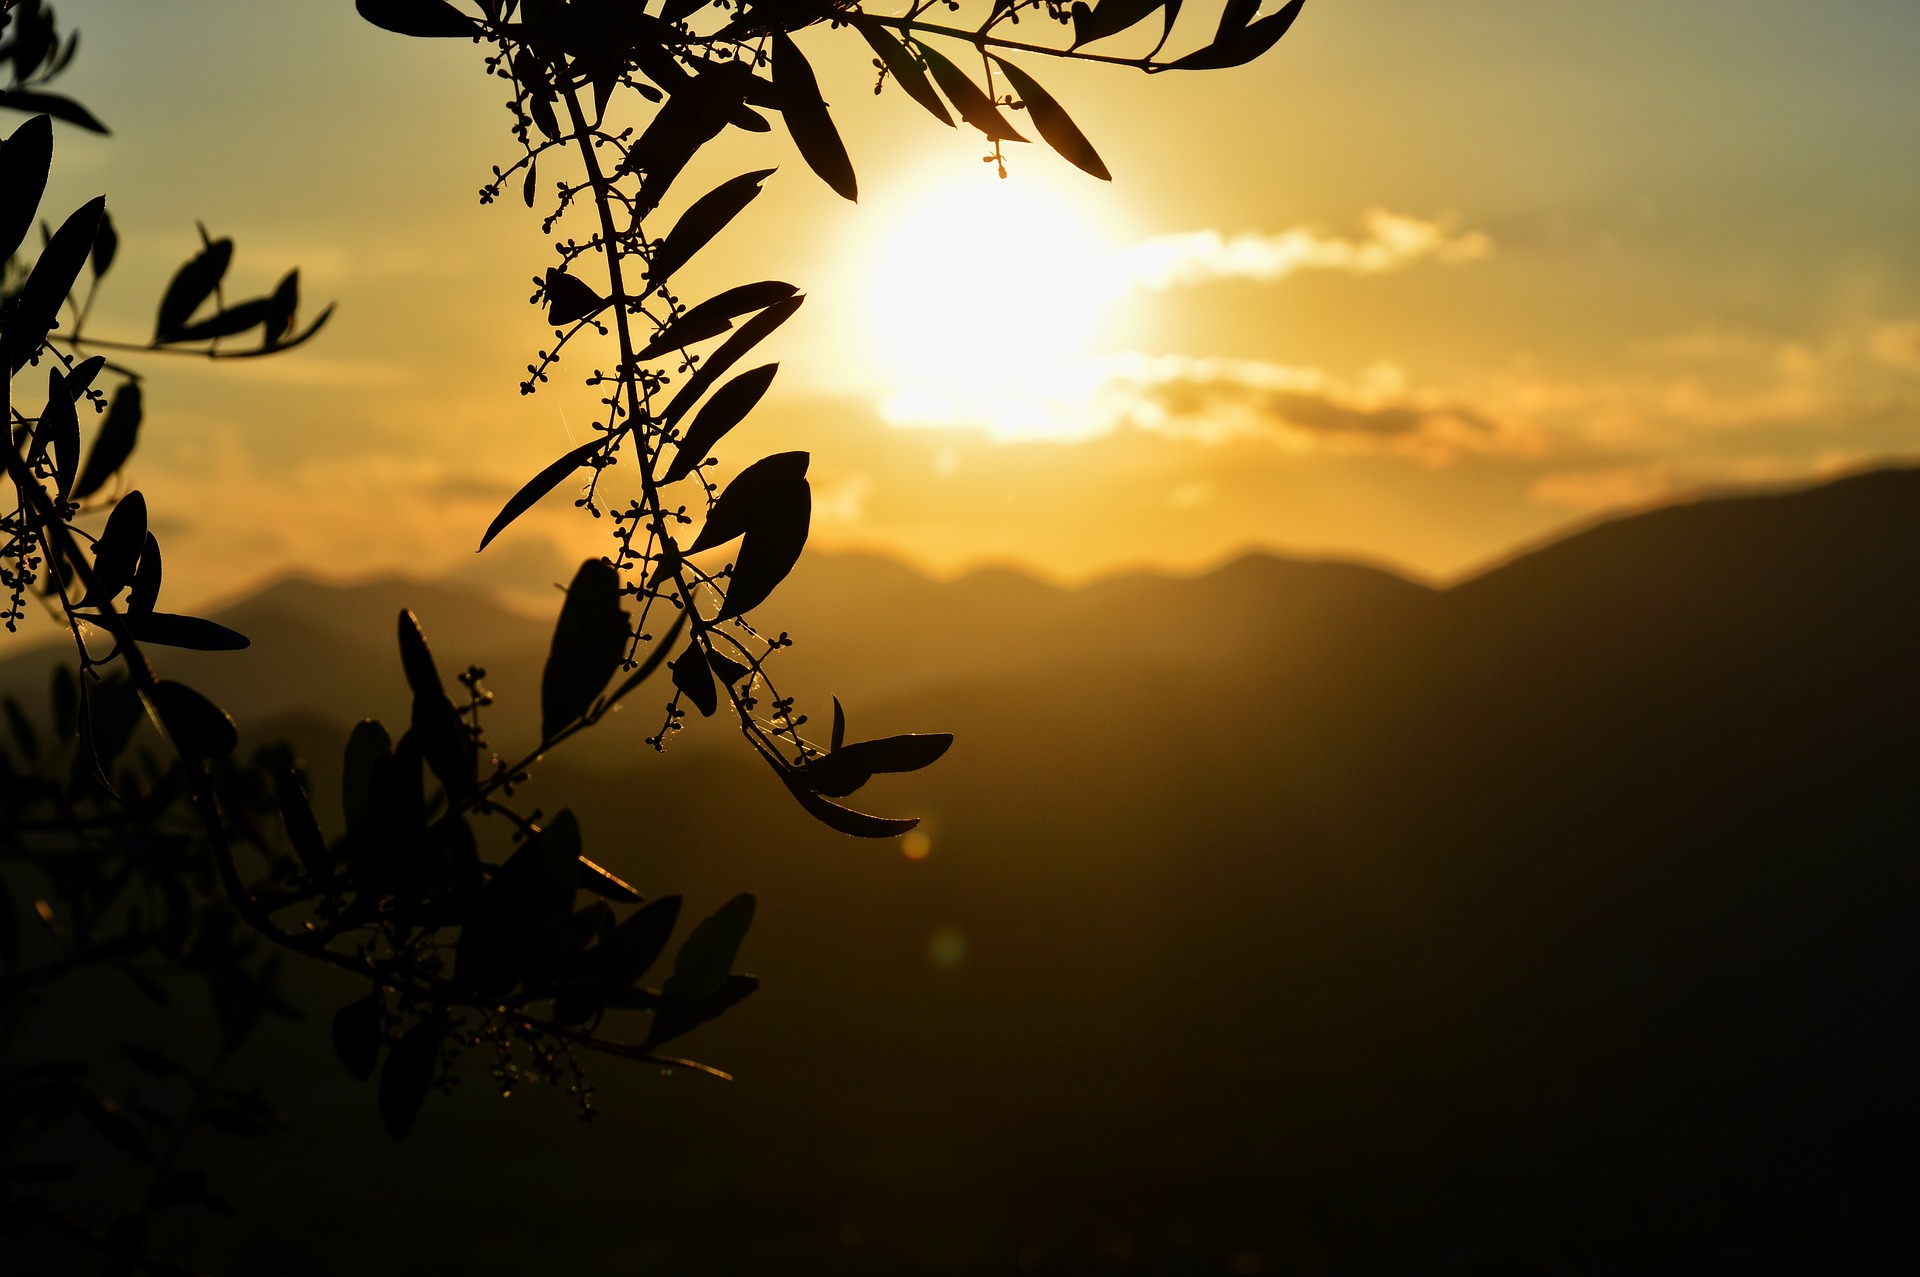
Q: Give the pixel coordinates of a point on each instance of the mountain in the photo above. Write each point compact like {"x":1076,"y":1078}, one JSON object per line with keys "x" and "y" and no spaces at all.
{"x":1289,"y":919}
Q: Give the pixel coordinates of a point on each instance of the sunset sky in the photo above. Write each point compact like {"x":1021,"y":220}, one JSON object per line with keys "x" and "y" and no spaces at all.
{"x":1425,"y":284}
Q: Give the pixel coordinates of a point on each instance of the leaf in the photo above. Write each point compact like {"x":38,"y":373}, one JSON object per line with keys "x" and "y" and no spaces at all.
{"x":37,"y":306}
{"x":619,"y":960}
{"x":106,"y":245}
{"x":114,"y":444}
{"x":846,"y":820}
{"x":602,"y":882}
{"x":975,"y":107}
{"x":303,"y":831}
{"x":839,"y":725}
{"x":589,"y":643}
{"x":654,"y":658}
{"x":693,"y":676}
{"x":445,"y":743}
{"x":59,"y":107}
{"x":726,"y":669}
{"x":58,"y":435}
{"x":728,"y":407}
{"x":81,"y":378}
{"x":569,"y":299}
{"x":807,"y":119}
{"x":538,"y":486}
{"x":25,"y":159}
{"x":731,"y":351}
{"x":117,"y":553}
{"x":368,"y":743}
{"x":146,"y":581}
{"x":190,"y":632}
{"x":683,"y":1015}
{"x":715,"y":315}
{"x":737,"y":509}
{"x":1108,"y":17}
{"x":408,"y":1073}
{"x":904,"y":70}
{"x":223,"y":323}
{"x":706,"y":957}
{"x":1051,"y":119}
{"x":356,"y":1036}
{"x":195,"y":724}
{"x":1238,"y":47}
{"x":282,"y":308}
{"x":192,"y":284}
{"x":427,"y":18}
{"x":770,"y":549}
{"x":705,"y":218}
{"x":521,"y":904}
{"x":847,"y":768}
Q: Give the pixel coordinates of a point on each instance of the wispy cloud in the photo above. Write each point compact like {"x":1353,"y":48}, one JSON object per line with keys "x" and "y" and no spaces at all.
{"x":1392,"y":241}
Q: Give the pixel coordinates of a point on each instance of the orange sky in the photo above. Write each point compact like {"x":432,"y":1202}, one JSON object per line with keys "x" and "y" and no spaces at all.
{"x":1426,"y":283}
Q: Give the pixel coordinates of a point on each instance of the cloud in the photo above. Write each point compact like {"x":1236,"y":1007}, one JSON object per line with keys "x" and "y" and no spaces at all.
{"x":1392,"y":242}
{"x":1897,"y":345}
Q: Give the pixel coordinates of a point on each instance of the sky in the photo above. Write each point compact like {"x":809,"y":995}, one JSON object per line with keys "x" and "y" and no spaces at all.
{"x":1423,"y":286}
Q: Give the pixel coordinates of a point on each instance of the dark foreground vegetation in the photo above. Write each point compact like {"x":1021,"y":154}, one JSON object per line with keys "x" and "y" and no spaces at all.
{"x":1290,"y":919}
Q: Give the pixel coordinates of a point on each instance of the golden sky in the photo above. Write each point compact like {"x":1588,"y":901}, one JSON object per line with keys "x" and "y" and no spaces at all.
{"x":1425,"y":284}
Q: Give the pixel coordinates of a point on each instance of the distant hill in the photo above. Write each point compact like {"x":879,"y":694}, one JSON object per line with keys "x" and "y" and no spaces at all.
{"x":1292,"y":918}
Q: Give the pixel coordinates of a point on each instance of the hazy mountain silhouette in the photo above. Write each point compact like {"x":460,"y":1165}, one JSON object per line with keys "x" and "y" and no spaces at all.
{"x":1292,"y":918}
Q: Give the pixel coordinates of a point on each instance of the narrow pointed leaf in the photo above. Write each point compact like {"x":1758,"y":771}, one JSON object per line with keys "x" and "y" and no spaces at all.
{"x":194,"y":633}
{"x":975,"y":107}
{"x":845,"y":770}
{"x":35,"y":102}
{"x":106,"y":245}
{"x":839,"y":725}
{"x":539,"y":486}
{"x":769,"y":550}
{"x":192,"y":284}
{"x":25,"y":159}
{"x":589,"y":642}
{"x":731,"y":352}
{"x":117,"y":553}
{"x":427,"y":18}
{"x":114,"y":444}
{"x":705,"y":218}
{"x":146,"y":581}
{"x":195,"y":724}
{"x":1109,"y":17}
{"x":715,"y":315}
{"x":445,"y":744}
{"x":569,"y":299}
{"x":752,"y":490}
{"x":1053,"y":123}
{"x":1236,"y":48}
{"x":807,"y":119}
{"x":635,"y":947}
{"x":224,"y":323}
{"x":37,"y":307}
{"x":856,"y":824}
{"x":728,"y":407}
{"x":692,"y":676}
{"x":282,"y":308}
{"x":682,"y":1015}
{"x":706,"y":957}
{"x":904,"y":70}
{"x":366,"y":746}
{"x":296,"y":813}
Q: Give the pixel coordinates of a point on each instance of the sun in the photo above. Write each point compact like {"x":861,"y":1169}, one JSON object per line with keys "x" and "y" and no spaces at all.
{"x":981,"y":300}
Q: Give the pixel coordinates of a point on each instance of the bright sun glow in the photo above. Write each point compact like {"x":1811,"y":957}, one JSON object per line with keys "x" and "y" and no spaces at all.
{"x":985,"y":302}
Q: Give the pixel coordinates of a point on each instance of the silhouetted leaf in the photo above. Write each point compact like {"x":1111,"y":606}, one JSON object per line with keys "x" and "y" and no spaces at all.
{"x":706,"y":957}
{"x":1238,"y":46}
{"x":729,"y":405}
{"x":356,"y":1036}
{"x":636,"y":946}
{"x":1108,"y":17}
{"x":569,"y":299}
{"x":146,"y":580}
{"x":223,"y":323}
{"x":847,"y":768}
{"x":527,"y":898}
{"x":975,"y":107}
{"x":303,"y":831}
{"x":704,"y":218}
{"x":114,"y":444}
{"x":60,"y":108}
{"x":715,"y":315}
{"x":839,"y":725}
{"x":1051,"y":119}
{"x":589,"y":642}
{"x":904,"y":70}
{"x":731,"y":351}
{"x":807,"y":119}
{"x":857,"y":824}
{"x":81,"y":377}
{"x":192,"y":284}
{"x":539,"y":486}
{"x":368,"y":743}
{"x":602,"y":882}
{"x":58,"y":435}
{"x":428,"y":18}
{"x":770,"y":549}
{"x":106,"y":245}
{"x":117,"y":553}
{"x":191,"y":632}
{"x":693,"y":677}
{"x":282,"y":308}
{"x":37,"y":306}
{"x":444,"y":741}
{"x":681,"y":1015}
{"x":407,"y":1076}
{"x":195,"y":724}
{"x":25,"y":158}
{"x":754,"y":489}
{"x":725,"y":669}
